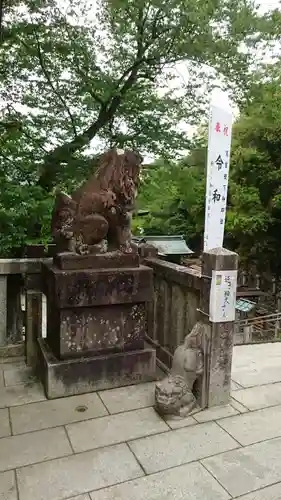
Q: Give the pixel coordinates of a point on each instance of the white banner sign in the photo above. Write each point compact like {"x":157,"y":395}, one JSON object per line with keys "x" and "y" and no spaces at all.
{"x":220,"y":126}
{"x":223,"y":296}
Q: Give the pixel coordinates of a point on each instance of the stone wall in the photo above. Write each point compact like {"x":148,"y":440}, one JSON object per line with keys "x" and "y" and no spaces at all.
{"x":17,"y":277}
{"x":181,"y":301}
{"x":174,"y":311}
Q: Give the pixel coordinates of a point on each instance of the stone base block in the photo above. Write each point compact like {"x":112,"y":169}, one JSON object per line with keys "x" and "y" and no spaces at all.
{"x":108,"y":260}
{"x":96,"y":311}
{"x":82,"y":375}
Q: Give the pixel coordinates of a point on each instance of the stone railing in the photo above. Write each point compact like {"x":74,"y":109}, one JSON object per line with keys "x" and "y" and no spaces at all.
{"x":258,"y":329}
{"x":20,"y":305}
{"x":174,"y":311}
{"x":181,"y":299}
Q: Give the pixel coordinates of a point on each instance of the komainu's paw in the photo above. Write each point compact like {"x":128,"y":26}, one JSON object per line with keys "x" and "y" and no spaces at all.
{"x":82,"y":249}
{"x":126,"y":248}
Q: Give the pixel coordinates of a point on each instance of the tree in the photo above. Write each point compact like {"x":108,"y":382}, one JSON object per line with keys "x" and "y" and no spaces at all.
{"x":174,"y":195}
{"x":25,"y":207}
{"x":98,"y":72}
{"x":253,"y":221}
{"x":77,"y":78}
{"x":254,"y":212}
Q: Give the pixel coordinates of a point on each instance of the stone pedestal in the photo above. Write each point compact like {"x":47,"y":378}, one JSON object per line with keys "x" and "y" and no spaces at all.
{"x":95,"y":373}
{"x":96,"y":323}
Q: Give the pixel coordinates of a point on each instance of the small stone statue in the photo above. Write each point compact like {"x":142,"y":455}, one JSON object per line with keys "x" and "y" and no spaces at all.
{"x":173,"y":395}
{"x":99,"y":213}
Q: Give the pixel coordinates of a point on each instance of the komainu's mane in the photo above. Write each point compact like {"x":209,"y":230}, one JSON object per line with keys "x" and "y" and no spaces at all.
{"x":119,"y":172}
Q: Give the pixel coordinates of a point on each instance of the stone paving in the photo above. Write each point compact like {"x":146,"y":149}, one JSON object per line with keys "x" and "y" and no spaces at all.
{"x":112,"y":445}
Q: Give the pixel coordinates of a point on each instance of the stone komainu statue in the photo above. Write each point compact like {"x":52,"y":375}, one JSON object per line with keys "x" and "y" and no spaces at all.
{"x":98,"y":214}
{"x":173,"y":395}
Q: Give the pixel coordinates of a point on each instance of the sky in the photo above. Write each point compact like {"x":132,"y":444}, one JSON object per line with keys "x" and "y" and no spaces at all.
{"x":218,"y":97}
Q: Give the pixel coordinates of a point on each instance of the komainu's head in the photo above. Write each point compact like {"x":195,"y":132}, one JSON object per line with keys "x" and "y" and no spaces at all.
{"x":119,"y":170}
{"x":169,"y":393}
{"x":63,"y":211}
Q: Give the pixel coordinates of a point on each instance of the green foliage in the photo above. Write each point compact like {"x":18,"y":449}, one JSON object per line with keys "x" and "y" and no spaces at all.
{"x":99,"y":71}
{"x":174,"y":194}
{"x":22,"y":211}
{"x":254,"y":215}
{"x":79,"y":76}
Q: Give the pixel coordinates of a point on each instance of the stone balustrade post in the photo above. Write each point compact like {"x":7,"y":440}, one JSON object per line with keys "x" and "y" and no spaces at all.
{"x":219,"y":335}
{"x":3,"y":309}
{"x":33,"y":329}
{"x":11,"y":317}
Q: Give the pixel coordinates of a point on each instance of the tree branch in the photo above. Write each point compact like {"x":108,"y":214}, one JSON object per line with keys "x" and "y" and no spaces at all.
{"x":10,"y":108}
{"x":1,"y":19}
{"x":106,"y":113}
{"x":81,"y":72}
{"x":34,"y":140}
{"x":140,"y":48}
{"x":6,"y":157}
{"x":48,"y":78}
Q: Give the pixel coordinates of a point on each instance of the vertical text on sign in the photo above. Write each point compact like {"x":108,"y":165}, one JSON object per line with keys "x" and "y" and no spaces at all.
{"x":220,"y":126}
{"x":223,"y":296}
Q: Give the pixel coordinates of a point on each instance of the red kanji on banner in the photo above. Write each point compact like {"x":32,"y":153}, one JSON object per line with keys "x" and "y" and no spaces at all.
{"x":218,"y":127}
{"x":225,"y":130}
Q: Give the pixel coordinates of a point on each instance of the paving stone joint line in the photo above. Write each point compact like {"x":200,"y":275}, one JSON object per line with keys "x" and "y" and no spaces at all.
{"x":217,"y":422}
{"x":240,"y":404}
{"x":137,"y":460}
{"x":260,"y":407}
{"x":58,"y":425}
{"x":128,"y":444}
{"x":257,"y":490}
{"x":148,"y":474}
{"x":16,"y":483}
{"x":69,"y":440}
{"x":211,"y":474}
{"x":103,"y":403}
{"x":169,"y":429}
